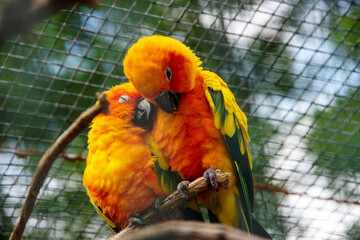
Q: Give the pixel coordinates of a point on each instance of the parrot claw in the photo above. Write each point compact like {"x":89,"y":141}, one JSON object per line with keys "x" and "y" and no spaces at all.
{"x":210,"y":179}
{"x":182,"y":188}
{"x":137,"y":220}
{"x":157,"y":204}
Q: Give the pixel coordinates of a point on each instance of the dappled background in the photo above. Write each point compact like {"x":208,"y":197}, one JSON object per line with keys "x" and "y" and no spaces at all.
{"x":293,"y":66}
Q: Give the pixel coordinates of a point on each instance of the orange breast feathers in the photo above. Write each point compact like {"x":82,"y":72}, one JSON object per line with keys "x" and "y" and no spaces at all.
{"x":120,"y":175}
{"x":189,"y":138}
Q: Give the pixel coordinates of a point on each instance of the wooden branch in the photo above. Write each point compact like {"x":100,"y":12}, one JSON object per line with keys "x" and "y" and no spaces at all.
{"x":174,"y":201}
{"x":184,"y":230}
{"x":17,"y":15}
{"x":48,"y":159}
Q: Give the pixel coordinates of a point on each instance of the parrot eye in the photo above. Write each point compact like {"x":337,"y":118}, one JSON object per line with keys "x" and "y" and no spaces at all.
{"x":168,"y":74}
{"x":124,"y":99}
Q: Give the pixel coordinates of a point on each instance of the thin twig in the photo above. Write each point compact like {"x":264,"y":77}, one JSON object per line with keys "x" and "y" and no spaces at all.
{"x":23,"y":153}
{"x":48,"y":159}
{"x":174,"y":201}
{"x":184,"y":230}
{"x":278,"y":189}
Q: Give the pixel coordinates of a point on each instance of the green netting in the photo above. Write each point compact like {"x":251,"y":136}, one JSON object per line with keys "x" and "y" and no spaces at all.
{"x":293,"y":66}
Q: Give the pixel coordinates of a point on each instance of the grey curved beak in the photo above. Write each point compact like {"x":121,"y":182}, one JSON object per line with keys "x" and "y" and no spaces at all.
{"x":143,"y":113}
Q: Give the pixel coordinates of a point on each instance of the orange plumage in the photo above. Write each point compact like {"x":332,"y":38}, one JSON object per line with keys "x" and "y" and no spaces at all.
{"x":201,"y":125}
{"x":120,"y":175}
{"x":192,"y":144}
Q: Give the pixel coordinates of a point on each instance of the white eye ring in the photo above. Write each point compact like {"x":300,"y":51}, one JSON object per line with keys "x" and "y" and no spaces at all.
{"x":168,"y":74}
{"x":124,"y":99}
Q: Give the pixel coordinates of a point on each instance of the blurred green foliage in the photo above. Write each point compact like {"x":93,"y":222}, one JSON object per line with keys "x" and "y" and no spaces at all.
{"x":339,"y":144}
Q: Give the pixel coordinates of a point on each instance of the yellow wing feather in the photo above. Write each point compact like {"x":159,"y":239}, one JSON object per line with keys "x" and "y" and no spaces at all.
{"x":235,"y":118}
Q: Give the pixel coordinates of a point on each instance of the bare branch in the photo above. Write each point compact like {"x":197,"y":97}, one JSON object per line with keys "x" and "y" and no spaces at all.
{"x":278,"y":189}
{"x":184,"y":230}
{"x":48,"y":159}
{"x":174,"y":201}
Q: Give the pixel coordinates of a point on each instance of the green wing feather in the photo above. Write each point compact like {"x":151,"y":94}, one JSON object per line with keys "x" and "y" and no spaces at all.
{"x":167,"y":179}
{"x":231,"y":121}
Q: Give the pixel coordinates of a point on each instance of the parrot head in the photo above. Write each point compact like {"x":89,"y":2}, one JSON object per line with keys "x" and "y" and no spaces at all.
{"x":127,"y":103}
{"x":161,"y":68}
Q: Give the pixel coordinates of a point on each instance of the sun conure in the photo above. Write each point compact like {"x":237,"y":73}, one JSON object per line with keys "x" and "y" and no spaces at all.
{"x":200,"y":127}
{"x":124,"y":176}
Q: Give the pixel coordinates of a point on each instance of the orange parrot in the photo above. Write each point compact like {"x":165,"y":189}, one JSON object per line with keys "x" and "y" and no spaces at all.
{"x":201,"y":127}
{"x":123,"y":175}
{"x":120,"y":174}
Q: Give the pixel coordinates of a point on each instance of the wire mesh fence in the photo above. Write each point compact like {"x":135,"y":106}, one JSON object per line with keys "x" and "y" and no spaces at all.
{"x":293,"y":66}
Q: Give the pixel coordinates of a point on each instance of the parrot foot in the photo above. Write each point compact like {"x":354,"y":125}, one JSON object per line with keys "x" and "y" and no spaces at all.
{"x":182,"y":188}
{"x":137,"y":220}
{"x":210,"y":179}
{"x":157,"y":204}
